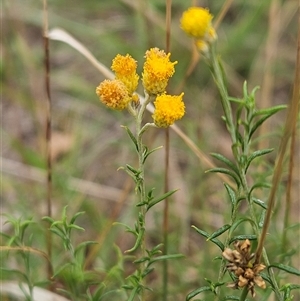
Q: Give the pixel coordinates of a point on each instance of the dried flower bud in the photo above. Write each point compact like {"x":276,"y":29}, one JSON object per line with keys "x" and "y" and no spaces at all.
{"x":247,"y":273}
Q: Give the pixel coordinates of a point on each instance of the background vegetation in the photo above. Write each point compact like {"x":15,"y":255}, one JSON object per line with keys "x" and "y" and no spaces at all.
{"x":257,"y":42}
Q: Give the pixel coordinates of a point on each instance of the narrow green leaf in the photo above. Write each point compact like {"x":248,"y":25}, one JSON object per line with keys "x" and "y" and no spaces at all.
{"x":262,"y":219}
{"x":166,"y":257}
{"x":206,"y":235}
{"x":138,"y":241}
{"x":156,"y":249}
{"x":48,"y":219}
{"x":150,"y":152}
{"x":285,"y":268}
{"x":231,"y":194}
{"x":83,"y":245}
{"x":133,"y":293}
{"x":237,"y":100}
{"x":266,"y":277}
{"x":245,"y":90}
{"x":270,"y":111}
{"x":159,"y":199}
{"x":256,"y":125}
{"x":238,"y":222}
{"x":56,"y":224}
{"x":226,"y":161}
{"x":146,"y":272}
{"x":260,"y":203}
{"x":76,"y":215}
{"x":259,"y":185}
{"x":219,"y":232}
{"x":98,"y":291}
{"x":140,"y":260}
{"x":243,"y":237}
{"x":72,"y":226}
{"x":24,"y":289}
{"x":257,"y":154}
{"x":231,"y":298}
{"x":61,"y":268}
{"x":58,"y":233}
{"x":127,"y":287}
{"x":227,"y":172}
{"x":132,"y":169}
{"x":197,"y":292}
{"x":130,"y":134}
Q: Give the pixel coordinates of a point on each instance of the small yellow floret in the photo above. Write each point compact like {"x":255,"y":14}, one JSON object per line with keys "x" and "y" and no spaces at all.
{"x":157,"y":70}
{"x":202,"y":46}
{"x":125,"y":70}
{"x":113,"y":93}
{"x":196,"y":22}
{"x":168,"y":109}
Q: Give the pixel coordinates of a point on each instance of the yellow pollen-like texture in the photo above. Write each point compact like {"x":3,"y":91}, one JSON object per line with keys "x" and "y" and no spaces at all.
{"x":157,"y":70}
{"x":113,"y":93}
{"x":125,"y":70}
{"x":168,"y":109}
{"x":196,"y":22}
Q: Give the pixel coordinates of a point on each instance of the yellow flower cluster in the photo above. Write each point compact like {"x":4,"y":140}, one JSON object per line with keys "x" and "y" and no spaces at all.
{"x":114,"y":94}
{"x":196,"y":22}
{"x":117,"y":94}
{"x":157,"y":71}
{"x":168,"y":109}
{"x":125,"y":70}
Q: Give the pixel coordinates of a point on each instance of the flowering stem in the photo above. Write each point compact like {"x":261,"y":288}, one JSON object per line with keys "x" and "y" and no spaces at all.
{"x":141,"y":181}
{"x":166,"y":217}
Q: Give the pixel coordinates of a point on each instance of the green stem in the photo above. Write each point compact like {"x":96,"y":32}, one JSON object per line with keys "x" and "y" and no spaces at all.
{"x":141,"y":182}
{"x":166,"y":218}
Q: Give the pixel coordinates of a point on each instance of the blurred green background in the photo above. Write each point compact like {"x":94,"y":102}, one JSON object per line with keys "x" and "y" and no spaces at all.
{"x":257,"y":43}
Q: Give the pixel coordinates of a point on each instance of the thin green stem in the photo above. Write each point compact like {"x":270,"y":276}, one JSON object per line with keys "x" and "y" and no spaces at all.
{"x":141,"y":182}
{"x":166,"y":217}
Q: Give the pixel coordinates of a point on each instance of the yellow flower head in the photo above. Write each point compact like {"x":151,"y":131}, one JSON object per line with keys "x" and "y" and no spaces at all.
{"x":125,"y":70}
{"x":157,"y":70}
{"x":113,"y":93}
{"x":168,"y":109}
{"x":196,"y":22}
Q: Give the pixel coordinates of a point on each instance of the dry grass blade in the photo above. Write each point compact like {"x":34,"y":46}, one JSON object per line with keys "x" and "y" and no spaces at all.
{"x":291,"y":120}
{"x":61,"y":35}
{"x":222,"y":13}
{"x":13,"y":288}
{"x":48,"y":131}
{"x":82,"y":186}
